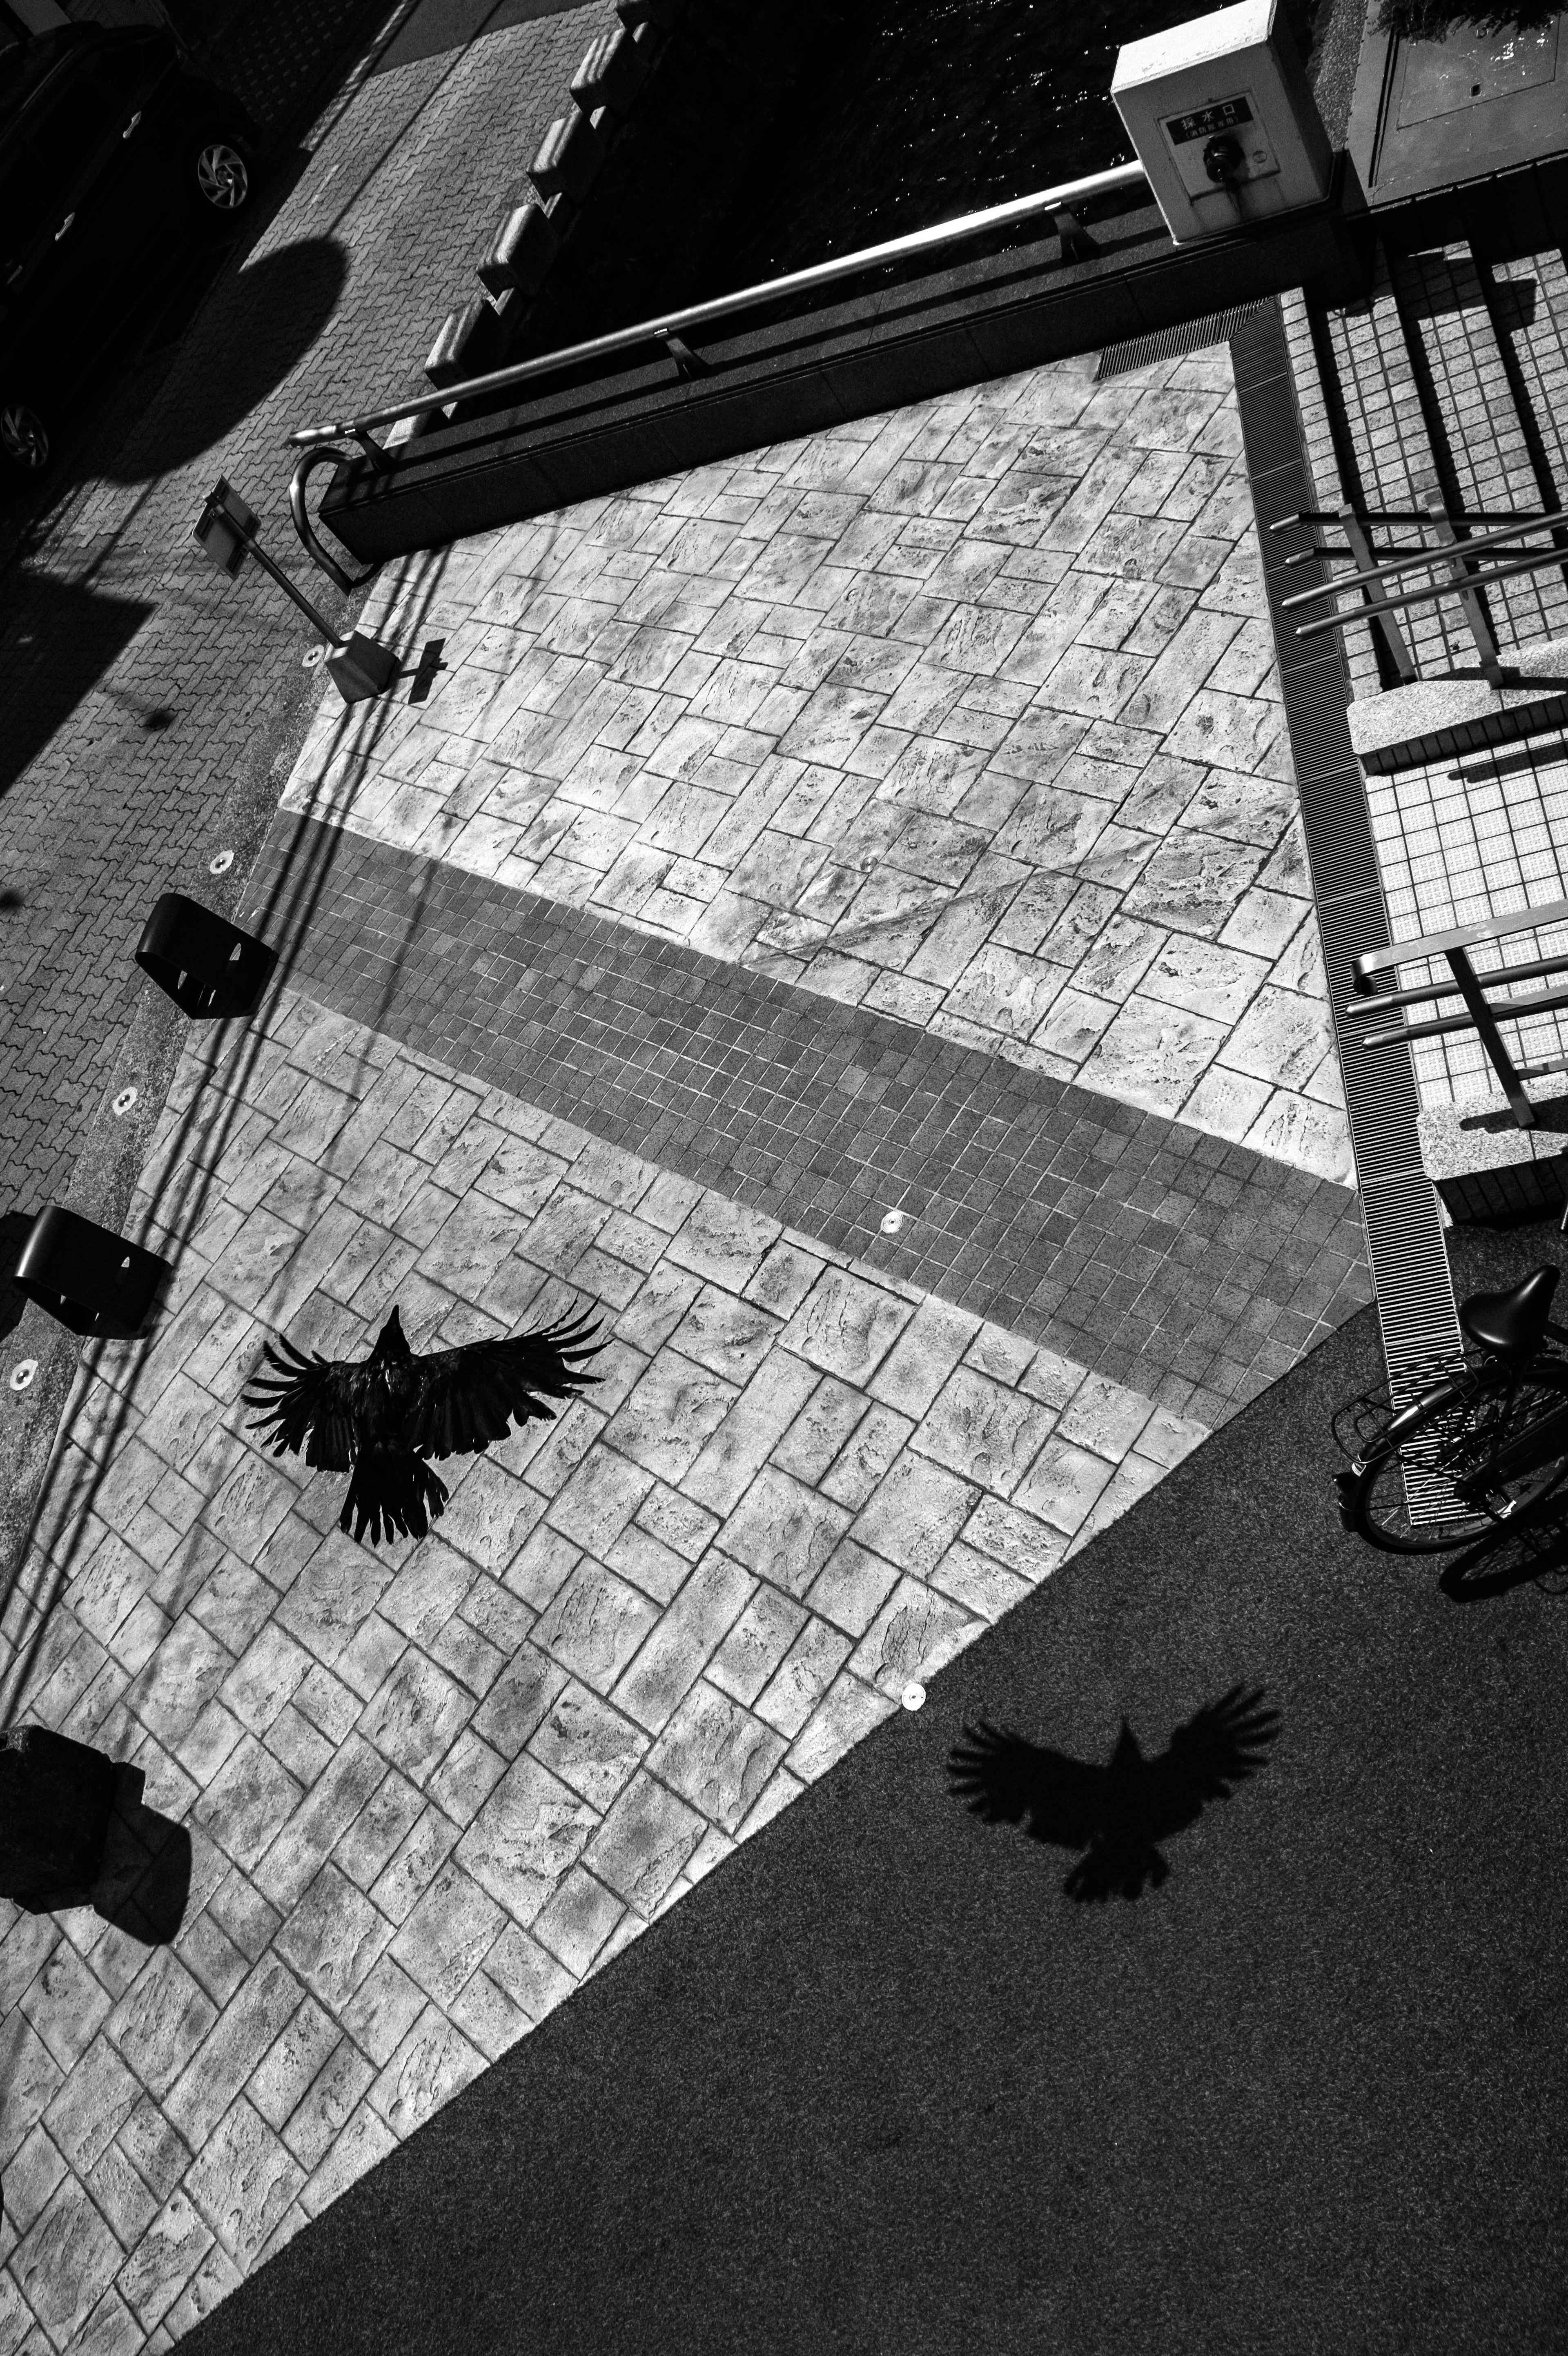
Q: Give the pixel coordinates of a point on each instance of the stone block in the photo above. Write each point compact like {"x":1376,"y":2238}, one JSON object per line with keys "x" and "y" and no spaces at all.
{"x":1431,"y":720}
{"x":1488,"y":1169}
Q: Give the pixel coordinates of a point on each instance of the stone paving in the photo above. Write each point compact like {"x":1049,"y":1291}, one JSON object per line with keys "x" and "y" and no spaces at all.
{"x":147,"y":696}
{"x":1194,"y":1269}
{"x":429,"y":1789}
{"x":152,"y":706}
{"x":967,"y":715}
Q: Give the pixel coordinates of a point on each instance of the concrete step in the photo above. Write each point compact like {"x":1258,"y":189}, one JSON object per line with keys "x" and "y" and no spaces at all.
{"x":1406,"y":727}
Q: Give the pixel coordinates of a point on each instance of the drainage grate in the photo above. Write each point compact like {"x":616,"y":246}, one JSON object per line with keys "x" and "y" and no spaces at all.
{"x":1171,"y":343}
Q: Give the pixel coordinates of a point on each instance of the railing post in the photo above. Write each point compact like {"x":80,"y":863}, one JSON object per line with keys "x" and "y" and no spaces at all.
{"x":1491,"y":1038}
{"x":1429,"y":495}
{"x":1076,"y":243}
{"x":687,"y":364}
{"x":1378,"y":605}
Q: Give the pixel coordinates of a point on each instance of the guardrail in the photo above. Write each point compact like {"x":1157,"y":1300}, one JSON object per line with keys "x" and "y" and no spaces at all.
{"x":1482,"y":1014}
{"x":671,"y":329}
{"x":1465,"y":580}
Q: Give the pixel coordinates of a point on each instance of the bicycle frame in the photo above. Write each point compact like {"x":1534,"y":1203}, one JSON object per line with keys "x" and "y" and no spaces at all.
{"x":1510,"y":1455}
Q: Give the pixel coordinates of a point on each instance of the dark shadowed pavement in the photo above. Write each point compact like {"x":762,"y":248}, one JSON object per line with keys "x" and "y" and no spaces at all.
{"x":878,"y":2083}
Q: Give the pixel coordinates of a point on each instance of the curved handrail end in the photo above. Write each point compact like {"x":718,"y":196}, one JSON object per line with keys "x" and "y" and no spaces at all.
{"x":306,"y":530}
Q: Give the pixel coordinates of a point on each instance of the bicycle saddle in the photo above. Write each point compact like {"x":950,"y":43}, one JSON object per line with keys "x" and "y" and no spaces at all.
{"x":1511,"y":1324}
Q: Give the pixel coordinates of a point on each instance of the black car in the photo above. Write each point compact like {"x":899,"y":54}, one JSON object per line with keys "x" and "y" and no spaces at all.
{"x":113,"y":158}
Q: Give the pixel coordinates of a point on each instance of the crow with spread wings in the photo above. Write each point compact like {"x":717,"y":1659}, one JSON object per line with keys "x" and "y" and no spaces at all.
{"x":1116,"y":1814}
{"x":380,"y":1420}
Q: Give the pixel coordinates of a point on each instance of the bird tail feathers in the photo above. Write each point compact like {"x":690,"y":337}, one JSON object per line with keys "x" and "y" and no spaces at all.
{"x":392,"y":1495}
{"x":1116,"y":1867}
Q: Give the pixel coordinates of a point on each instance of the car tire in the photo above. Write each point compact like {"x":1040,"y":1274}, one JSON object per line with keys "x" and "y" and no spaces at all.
{"x":221,"y":177}
{"x":27,"y":441}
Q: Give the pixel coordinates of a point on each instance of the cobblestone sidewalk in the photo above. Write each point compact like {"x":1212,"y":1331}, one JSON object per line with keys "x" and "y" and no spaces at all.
{"x":429,"y":1789}
{"x":967,"y":715}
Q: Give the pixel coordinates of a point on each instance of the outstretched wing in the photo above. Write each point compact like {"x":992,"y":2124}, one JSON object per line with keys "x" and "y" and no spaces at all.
{"x":306,"y":1403}
{"x":1003,"y":1779}
{"x":465,"y":1398}
{"x":1221,"y":1746}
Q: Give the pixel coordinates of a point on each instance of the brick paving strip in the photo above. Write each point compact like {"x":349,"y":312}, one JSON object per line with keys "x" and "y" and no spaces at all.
{"x":967,"y":714}
{"x":428,"y":1791}
{"x":1193,"y":1270}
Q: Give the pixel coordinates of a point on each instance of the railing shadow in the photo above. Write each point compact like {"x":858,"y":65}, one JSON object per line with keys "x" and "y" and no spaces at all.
{"x":186,"y":1162}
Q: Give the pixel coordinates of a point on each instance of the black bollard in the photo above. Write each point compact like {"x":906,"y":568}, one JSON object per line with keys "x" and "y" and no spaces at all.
{"x":56,"y":1800}
{"x":207,"y":966}
{"x":91,"y":1279}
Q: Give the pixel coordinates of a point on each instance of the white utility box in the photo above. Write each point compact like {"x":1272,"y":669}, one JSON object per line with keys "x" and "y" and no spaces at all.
{"x":1223,"y":119}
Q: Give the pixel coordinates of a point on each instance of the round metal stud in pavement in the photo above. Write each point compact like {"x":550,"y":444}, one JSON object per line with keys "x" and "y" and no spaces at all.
{"x":22,"y":1374}
{"x":893,"y":1223}
{"x":123,"y":1102}
{"x":914,"y":1695}
{"x":221,"y":865}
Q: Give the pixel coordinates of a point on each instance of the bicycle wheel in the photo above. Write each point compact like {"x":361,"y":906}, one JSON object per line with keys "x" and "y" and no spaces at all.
{"x":1481,"y":1455}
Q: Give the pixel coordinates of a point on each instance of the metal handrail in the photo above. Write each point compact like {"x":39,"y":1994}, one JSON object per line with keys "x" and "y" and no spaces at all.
{"x":1482,"y":1014}
{"x":1461,"y":936}
{"x":723,"y":306}
{"x":1445,"y":553}
{"x":1390,"y":1001}
{"x":1465,"y":584}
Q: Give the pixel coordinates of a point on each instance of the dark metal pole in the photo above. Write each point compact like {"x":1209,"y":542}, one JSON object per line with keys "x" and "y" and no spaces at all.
{"x":269,"y":565}
{"x":1491,"y":1038}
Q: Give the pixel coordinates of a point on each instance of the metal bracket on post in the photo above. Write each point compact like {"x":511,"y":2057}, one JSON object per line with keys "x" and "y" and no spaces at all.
{"x":1076,"y":243}
{"x":686,"y":361}
{"x":1490,"y":1037}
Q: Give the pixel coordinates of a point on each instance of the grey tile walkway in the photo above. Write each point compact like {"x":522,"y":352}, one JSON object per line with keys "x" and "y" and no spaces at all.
{"x":429,"y":1788}
{"x":1194,"y":1269}
{"x":968,"y":714}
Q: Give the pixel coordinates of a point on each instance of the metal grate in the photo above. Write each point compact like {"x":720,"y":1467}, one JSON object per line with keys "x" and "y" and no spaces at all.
{"x":1172,"y":343}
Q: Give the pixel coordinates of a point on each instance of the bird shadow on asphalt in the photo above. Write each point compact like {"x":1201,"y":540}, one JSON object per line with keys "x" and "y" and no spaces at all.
{"x":1119,"y":1814}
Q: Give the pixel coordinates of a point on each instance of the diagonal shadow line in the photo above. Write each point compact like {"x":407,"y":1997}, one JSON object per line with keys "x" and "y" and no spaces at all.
{"x":431,"y":95}
{"x":173,"y":1210}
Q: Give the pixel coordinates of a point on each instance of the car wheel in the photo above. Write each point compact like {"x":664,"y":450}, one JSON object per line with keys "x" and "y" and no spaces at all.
{"x":27,"y":445}
{"x":222,"y":175}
